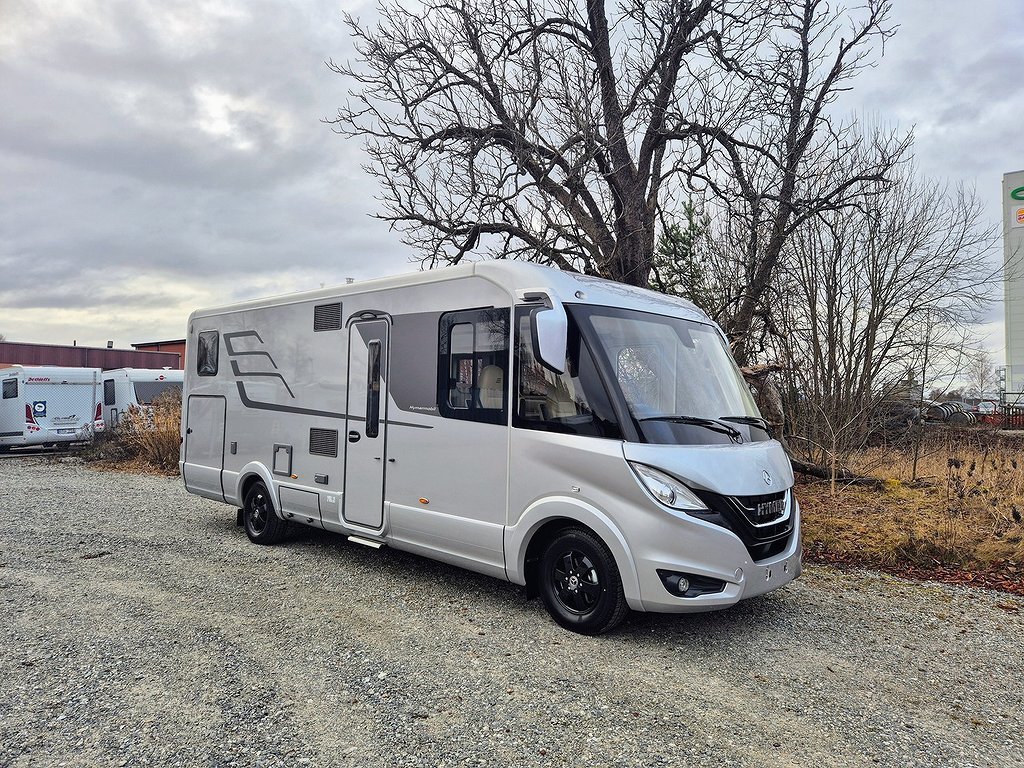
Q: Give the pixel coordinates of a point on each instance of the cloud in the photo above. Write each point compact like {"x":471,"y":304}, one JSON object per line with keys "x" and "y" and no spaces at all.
{"x":157,"y":158}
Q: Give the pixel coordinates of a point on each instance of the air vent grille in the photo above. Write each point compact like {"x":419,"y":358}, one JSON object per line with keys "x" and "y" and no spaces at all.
{"x":323,"y":442}
{"x":327,"y":317}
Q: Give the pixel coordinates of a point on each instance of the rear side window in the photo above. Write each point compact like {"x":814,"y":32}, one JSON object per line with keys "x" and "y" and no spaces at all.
{"x":108,"y":392}
{"x":473,"y":365}
{"x":10,"y":388}
{"x":206,"y":356}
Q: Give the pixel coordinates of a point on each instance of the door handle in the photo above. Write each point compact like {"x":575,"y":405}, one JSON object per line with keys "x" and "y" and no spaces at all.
{"x":353,"y":436}
{"x":188,"y":431}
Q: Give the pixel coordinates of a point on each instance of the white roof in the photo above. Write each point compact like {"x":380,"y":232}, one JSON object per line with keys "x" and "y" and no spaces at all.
{"x":516,"y":277}
{"x":51,"y":372}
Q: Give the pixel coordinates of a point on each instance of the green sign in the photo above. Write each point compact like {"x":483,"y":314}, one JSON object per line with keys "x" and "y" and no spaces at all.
{"x":1018,"y":193}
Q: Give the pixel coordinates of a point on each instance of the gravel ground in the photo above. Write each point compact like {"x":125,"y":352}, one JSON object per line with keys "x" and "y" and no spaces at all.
{"x":140,"y":627}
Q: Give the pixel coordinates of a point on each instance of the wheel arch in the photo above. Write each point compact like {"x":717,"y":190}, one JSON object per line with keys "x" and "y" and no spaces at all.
{"x":250,"y":474}
{"x":543,"y":520}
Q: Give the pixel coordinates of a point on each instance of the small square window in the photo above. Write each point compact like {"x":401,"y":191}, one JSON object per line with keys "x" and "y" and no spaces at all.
{"x":10,"y":388}
{"x":206,"y":356}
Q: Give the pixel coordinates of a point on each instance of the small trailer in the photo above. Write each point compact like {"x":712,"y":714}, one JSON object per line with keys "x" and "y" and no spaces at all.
{"x":592,"y":441}
{"x":48,"y":405}
{"x":127,"y":388}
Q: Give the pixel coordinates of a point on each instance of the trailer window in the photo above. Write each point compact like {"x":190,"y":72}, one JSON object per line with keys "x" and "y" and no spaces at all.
{"x":573,"y":402}
{"x":206,"y":356}
{"x":108,"y":392}
{"x":10,"y":388}
{"x":148,"y":391}
{"x":473,"y":364}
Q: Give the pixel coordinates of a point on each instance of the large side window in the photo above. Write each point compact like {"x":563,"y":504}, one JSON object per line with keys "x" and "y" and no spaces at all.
{"x":473,"y":365}
{"x":206,"y":357}
{"x":108,"y":392}
{"x":10,"y":388}
{"x":574,"y":402}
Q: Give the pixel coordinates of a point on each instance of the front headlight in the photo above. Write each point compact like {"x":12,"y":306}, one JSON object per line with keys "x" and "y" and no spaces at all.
{"x":666,"y":489}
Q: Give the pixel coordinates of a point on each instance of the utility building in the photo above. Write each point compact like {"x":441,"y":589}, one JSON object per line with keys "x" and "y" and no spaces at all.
{"x":1013,"y":279}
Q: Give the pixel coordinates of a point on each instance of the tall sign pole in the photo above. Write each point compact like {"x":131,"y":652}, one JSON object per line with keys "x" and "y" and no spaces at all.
{"x":1013,"y":278}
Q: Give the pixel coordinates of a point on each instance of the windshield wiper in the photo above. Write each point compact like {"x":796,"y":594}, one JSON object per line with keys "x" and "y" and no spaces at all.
{"x":700,"y":421}
{"x":755,"y":421}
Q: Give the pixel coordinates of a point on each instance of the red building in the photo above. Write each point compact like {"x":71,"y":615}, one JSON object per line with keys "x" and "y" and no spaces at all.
{"x":175,"y":345}
{"x":16,"y":353}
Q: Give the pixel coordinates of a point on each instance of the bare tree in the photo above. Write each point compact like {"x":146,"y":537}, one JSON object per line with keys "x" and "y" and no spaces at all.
{"x":566,"y":132}
{"x":778,"y":157}
{"x":980,"y":374}
{"x":869,"y":292}
{"x":541,"y":128}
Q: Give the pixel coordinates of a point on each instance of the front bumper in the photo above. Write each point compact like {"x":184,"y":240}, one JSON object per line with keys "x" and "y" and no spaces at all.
{"x":712,"y":552}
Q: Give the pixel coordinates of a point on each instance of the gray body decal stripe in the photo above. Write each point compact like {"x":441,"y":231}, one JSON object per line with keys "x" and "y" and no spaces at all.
{"x":310,"y":412}
{"x":234,"y":370}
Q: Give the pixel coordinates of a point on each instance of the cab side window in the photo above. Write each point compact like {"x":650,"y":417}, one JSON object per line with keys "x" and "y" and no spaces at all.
{"x":473,"y":348}
{"x":573,"y":402}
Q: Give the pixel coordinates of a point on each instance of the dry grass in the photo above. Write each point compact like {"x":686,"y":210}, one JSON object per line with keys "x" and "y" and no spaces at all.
{"x":143,"y":440}
{"x":964,"y":511}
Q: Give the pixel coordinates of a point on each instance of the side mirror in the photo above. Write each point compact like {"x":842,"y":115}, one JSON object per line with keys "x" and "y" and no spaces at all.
{"x":550,"y":327}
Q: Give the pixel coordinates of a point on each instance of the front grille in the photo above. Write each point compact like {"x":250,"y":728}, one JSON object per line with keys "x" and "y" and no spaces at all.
{"x":760,"y":510}
{"x":765,"y":535}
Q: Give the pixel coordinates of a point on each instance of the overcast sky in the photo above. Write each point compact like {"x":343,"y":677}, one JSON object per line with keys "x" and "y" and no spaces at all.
{"x":160,"y":156}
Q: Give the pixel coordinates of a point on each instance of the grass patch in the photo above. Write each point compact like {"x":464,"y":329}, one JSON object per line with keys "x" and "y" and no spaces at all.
{"x":959,"y":520}
{"x":144,"y":440}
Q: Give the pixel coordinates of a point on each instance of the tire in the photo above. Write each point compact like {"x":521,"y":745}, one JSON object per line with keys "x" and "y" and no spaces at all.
{"x":262,"y":525}
{"x":580,"y":583}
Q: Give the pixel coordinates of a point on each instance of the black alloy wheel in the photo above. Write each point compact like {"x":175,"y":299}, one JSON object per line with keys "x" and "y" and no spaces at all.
{"x":262,"y":525}
{"x":580,"y":583}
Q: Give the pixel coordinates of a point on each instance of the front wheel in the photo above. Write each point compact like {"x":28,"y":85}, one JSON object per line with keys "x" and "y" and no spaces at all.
{"x":262,"y":525}
{"x":580,"y":583}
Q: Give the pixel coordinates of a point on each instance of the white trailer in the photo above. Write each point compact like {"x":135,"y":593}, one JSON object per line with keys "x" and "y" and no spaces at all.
{"x":128,"y":388}
{"x":48,"y":405}
{"x":592,"y":441}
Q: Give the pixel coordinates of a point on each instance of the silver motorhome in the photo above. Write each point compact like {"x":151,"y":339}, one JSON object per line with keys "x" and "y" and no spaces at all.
{"x":592,"y":441}
{"x":48,"y":405}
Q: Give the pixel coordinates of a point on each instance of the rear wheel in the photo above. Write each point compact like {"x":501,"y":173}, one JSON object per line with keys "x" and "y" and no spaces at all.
{"x":262,"y":525}
{"x":580,"y":583}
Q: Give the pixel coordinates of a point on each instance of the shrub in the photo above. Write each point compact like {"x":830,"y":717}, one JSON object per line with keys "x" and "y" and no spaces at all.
{"x":153,"y":435}
{"x":145,"y":438}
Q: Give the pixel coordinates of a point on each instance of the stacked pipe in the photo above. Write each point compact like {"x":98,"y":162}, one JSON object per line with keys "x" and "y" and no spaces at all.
{"x":951,"y":413}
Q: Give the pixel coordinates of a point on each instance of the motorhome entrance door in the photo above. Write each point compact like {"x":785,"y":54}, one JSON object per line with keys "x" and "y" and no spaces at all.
{"x":365,"y":448}
{"x":204,"y":445}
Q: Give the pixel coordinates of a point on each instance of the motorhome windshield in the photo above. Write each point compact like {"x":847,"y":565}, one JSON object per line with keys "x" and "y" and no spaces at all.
{"x":676,"y":376}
